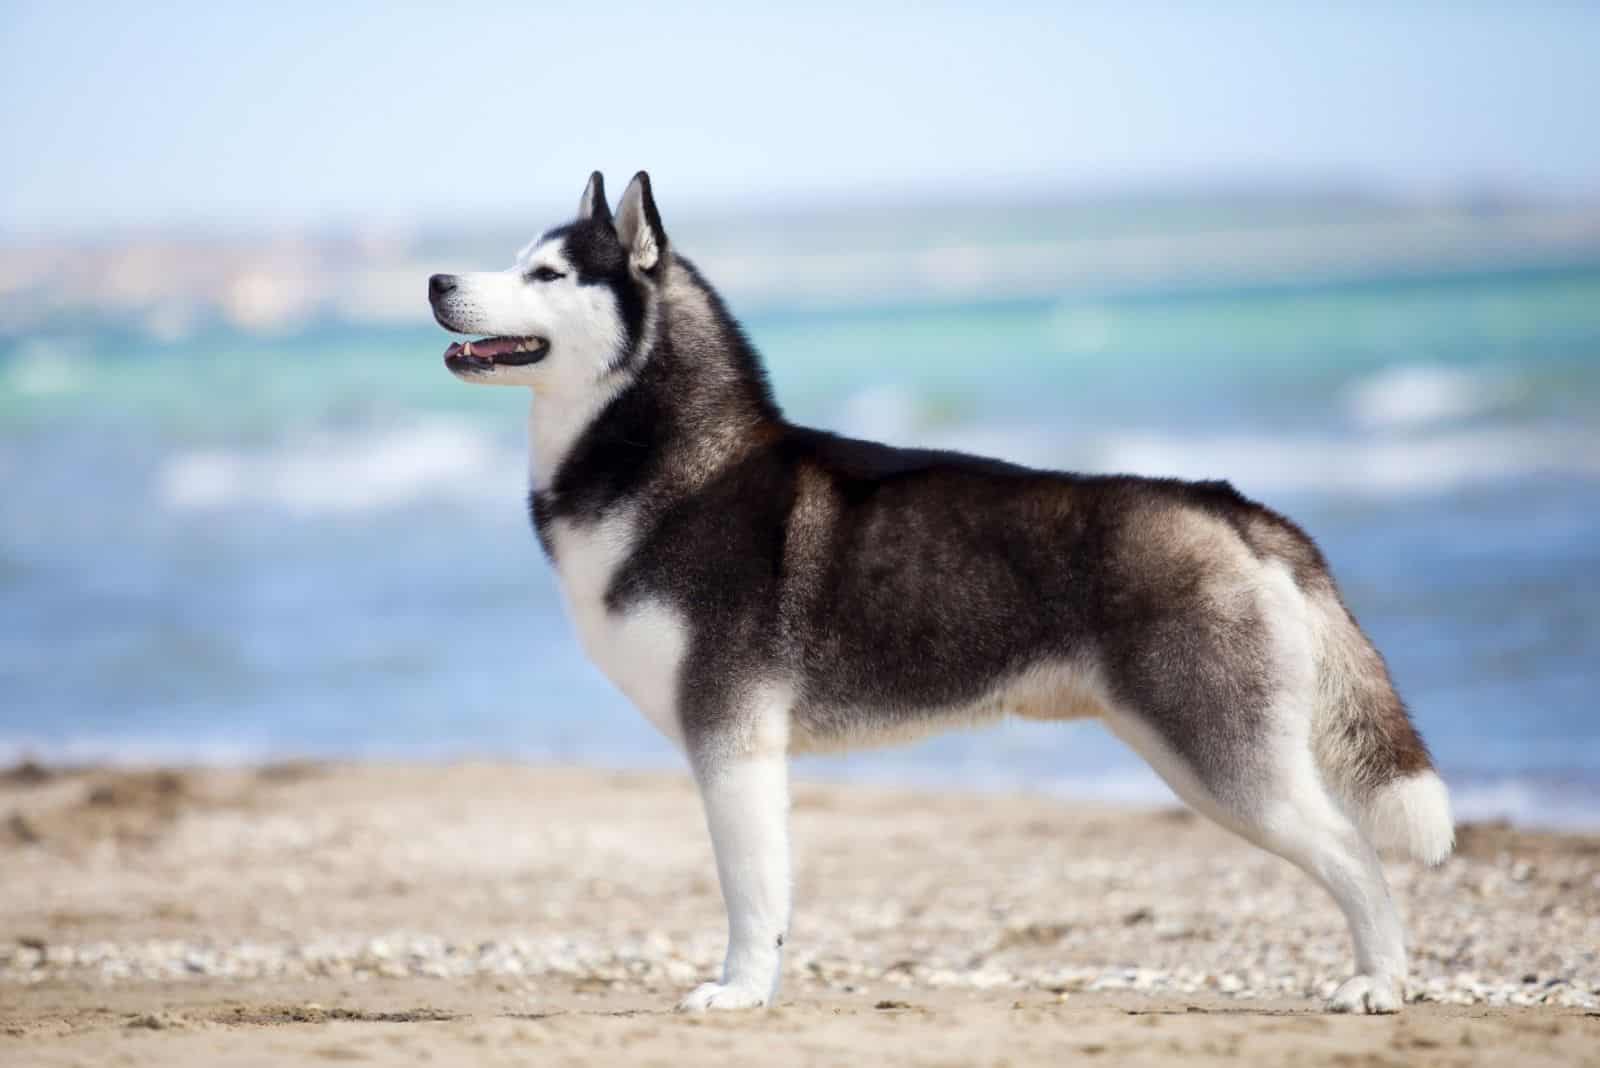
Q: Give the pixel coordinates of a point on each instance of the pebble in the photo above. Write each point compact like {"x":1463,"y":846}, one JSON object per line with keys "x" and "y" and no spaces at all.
{"x":941,"y":903}
{"x":432,"y":957}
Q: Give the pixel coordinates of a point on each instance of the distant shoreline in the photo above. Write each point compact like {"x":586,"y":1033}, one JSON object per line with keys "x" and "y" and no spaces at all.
{"x":174,"y":287}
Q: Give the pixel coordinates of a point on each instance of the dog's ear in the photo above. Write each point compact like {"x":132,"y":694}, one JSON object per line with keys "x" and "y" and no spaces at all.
{"x":639,"y":224}
{"x":592,"y":205}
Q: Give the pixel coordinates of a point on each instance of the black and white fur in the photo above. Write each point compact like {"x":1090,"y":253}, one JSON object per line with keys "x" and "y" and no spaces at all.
{"x":758,"y":588}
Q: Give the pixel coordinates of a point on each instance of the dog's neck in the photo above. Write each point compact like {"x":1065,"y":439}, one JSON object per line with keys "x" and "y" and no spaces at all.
{"x":691,"y":401}
{"x":556,"y":422}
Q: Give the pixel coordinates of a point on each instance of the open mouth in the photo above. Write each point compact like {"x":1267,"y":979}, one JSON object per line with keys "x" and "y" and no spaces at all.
{"x":495,"y":351}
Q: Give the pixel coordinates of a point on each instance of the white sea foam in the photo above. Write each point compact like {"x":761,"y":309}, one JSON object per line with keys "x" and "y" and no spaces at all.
{"x":1408,"y":459}
{"x":1379,"y":465}
{"x":43,"y":368}
{"x":1420,"y":395}
{"x":1404,"y":447}
{"x":1528,"y":802}
{"x":889,"y":412}
{"x":333,"y":474}
{"x":895,"y":415}
{"x":364,"y":472}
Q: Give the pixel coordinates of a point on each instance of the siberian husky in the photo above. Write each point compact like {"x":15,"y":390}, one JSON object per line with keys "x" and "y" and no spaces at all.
{"x":758,"y":588}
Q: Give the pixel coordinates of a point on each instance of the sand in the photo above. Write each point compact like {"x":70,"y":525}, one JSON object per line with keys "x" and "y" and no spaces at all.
{"x":487,"y":914}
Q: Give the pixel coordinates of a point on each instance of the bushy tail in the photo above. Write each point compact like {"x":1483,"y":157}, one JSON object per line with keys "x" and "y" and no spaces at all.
{"x":1367,"y":746}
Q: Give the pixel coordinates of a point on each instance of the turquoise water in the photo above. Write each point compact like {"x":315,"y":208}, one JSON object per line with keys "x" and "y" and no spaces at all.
{"x":237,"y":545}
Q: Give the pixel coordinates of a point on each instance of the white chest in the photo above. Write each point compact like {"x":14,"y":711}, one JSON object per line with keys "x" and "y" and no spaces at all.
{"x":640,"y":649}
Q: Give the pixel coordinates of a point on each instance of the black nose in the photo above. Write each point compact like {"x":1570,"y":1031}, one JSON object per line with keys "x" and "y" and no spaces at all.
{"x":440,"y":284}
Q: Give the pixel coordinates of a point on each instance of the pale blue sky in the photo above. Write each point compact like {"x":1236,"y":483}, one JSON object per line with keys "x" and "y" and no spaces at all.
{"x":199,"y":114}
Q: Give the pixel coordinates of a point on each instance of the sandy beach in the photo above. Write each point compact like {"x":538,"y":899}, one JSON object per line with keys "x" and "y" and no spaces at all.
{"x":491,"y":914}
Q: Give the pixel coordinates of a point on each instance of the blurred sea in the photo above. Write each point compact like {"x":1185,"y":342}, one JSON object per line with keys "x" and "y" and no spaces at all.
{"x":228,"y":543}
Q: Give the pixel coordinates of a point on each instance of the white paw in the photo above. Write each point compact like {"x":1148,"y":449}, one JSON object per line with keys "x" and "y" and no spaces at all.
{"x":1367,"y":994}
{"x":722,"y":996}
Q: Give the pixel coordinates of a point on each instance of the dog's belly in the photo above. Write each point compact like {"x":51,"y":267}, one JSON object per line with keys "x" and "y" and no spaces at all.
{"x":1046,"y":691}
{"x":640,"y":649}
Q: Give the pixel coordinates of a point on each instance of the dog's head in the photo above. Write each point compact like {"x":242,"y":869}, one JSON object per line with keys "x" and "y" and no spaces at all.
{"x":574,"y":307}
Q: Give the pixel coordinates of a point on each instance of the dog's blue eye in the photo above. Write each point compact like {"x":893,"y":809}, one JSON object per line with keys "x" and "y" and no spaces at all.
{"x":544,"y":274}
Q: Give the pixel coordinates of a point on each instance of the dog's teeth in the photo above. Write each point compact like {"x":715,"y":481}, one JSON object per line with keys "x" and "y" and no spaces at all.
{"x":466,"y":350}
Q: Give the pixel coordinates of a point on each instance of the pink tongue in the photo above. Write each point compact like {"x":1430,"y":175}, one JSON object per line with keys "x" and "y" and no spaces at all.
{"x":495,"y":346}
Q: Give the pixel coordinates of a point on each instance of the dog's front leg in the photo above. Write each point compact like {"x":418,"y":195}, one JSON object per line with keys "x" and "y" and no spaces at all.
{"x":746,"y":798}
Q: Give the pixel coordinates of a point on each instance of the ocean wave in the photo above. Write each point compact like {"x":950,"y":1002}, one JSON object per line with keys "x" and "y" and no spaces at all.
{"x":358,"y":472}
{"x":1411,"y":459}
{"x":898,"y":416}
{"x":350,"y":473}
{"x":1417,"y":395}
{"x":1358,"y":466}
{"x":40,"y":369}
{"x":1557,"y":804}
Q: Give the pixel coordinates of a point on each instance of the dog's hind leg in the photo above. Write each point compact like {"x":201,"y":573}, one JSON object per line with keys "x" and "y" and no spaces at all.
{"x":1223,"y":701}
{"x":1281,"y":805}
{"x":741,"y":765}
{"x":1300,"y":821}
